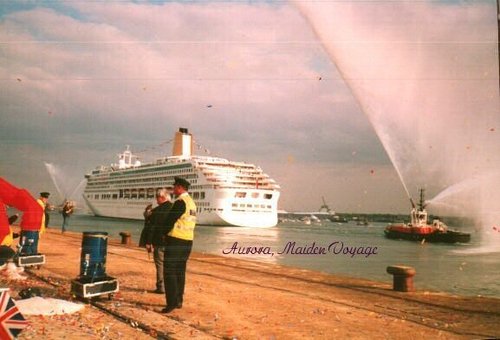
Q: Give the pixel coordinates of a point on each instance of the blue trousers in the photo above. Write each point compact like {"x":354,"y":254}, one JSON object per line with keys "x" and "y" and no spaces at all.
{"x":29,"y":242}
{"x":65,"y":223}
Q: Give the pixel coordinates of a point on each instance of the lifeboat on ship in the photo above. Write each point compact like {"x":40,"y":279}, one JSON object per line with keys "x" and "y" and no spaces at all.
{"x":420,"y":230}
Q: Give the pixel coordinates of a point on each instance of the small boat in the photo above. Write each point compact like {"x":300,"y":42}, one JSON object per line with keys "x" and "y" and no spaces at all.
{"x":362,"y":221}
{"x":306,"y":220}
{"x":338,"y":219}
{"x":420,"y":230}
{"x":310,"y":219}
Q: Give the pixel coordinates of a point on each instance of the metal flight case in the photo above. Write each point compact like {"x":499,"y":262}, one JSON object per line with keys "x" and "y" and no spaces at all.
{"x":85,"y":288}
{"x":30,"y":260}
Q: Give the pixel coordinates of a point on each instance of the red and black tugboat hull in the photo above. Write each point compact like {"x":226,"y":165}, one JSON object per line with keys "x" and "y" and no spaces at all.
{"x":449,"y":236}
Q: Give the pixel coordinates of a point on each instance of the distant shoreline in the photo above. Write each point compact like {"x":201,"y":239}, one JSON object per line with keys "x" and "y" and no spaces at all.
{"x":455,"y":221}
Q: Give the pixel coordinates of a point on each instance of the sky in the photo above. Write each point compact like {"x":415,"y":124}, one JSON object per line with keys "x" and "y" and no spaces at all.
{"x":323,"y":96}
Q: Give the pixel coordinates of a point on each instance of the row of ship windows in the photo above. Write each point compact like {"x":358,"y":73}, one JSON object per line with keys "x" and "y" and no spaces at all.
{"x":167,"y":184}
{"x":191,"y":178}
{"x":137,"y":193}
{"x":262,"y":206}
{"x":240,"y":175}
{"x":242,"y":194}
{"x":199,"y":210}
{"x":150,"y":193}
{"x":198,"y":187}
{"x":175,"y":172}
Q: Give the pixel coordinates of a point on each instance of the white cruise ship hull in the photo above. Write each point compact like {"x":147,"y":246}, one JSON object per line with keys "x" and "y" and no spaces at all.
{"x":221,"y":212}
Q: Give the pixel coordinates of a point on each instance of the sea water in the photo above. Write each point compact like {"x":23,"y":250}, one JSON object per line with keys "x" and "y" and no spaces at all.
{"x":344,"y":249}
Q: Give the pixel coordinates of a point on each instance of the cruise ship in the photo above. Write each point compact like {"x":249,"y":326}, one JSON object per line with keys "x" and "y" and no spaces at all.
{"x":226,"y":193}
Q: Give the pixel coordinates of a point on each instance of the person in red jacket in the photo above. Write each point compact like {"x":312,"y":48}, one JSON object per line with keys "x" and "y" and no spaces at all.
{"x":31,"y":221}
{"x":6,"y":236}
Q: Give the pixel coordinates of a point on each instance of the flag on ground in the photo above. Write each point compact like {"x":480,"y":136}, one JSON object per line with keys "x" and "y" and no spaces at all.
{"x":12,"y":321}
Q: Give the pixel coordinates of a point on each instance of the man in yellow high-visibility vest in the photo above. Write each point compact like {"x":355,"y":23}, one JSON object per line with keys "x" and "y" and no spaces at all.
{"x":178,"y":240}
{"x":43,"y":202}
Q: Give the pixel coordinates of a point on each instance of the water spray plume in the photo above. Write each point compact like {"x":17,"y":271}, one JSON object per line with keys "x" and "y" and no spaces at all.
{"x":78,"y":189}
{"x":456,"y":189}
{"x":51,"y":169}
{"x":425,"y":76}
{"x":65,"y":183}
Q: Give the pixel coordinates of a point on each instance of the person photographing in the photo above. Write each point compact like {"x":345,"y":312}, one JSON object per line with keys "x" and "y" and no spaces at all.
{"x":66,"y":212}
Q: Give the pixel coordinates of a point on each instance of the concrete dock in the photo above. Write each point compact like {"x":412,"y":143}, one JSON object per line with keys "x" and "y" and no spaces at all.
{"x":237,"y":299}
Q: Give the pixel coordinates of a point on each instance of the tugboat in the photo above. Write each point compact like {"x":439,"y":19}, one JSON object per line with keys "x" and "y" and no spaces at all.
{"x":420,"y":230}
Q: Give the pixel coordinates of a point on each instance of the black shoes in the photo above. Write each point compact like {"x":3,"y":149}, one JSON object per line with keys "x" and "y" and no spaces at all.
{"x":168,"y":309}
{"x":158,"y":291}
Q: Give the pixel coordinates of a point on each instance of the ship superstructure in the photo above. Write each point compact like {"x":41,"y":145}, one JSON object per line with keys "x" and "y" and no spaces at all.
{"x":225,"y":192}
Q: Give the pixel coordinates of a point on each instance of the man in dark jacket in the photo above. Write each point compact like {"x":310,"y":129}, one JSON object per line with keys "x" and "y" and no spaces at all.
{"x":154,"y":236}
{"x":178,"y":238}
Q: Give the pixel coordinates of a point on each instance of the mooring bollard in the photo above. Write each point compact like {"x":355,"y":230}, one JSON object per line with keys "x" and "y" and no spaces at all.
{"x":402,"y":278}
{"x":125,"y":238}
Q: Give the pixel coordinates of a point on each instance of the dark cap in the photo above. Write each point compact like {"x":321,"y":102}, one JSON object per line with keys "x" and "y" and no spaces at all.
{"x":45,"y":194}
{"x":182,"y":182}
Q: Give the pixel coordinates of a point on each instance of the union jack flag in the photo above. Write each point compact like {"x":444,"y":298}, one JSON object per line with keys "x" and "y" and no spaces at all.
{"x":12,"y":321}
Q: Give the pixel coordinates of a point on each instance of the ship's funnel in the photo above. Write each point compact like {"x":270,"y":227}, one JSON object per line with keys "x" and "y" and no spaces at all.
{"x":183,"y":143}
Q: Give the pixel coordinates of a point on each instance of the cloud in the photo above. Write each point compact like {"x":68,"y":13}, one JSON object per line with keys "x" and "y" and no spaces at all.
{"x":250,"y":80}
{"x":166,"y":62}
